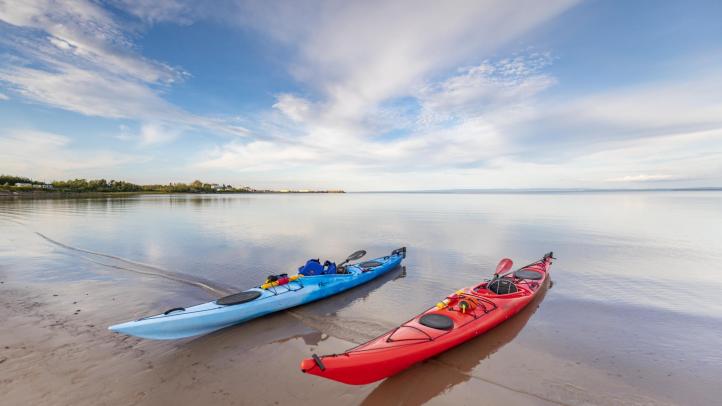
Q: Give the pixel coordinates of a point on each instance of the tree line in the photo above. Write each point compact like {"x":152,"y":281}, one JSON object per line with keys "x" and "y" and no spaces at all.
{"x":102,"y":185}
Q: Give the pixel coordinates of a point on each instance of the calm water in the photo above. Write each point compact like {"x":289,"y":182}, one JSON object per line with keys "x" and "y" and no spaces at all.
{"x":636,"y":285}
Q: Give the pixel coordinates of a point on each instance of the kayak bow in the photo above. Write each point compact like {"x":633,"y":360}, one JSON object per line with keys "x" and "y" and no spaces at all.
{"x":460,"y":317}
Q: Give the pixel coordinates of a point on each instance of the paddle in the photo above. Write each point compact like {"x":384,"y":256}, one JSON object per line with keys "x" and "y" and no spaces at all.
{"x":504,"y":265}
{"x":356,"y":255}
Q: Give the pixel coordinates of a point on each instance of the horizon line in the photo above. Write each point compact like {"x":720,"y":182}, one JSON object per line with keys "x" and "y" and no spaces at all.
{"x":544,"y":190}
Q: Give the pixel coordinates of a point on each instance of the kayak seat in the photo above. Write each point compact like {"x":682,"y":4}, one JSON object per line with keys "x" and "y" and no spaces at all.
{"x":437,"y":321}
{"x":370,"y":264}
{"x":238,"y":298}
{"x":526,"y":274}
{"x":501,"y":286}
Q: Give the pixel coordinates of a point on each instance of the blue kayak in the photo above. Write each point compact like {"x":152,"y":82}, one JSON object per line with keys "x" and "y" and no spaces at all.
{"x":274,"y":295}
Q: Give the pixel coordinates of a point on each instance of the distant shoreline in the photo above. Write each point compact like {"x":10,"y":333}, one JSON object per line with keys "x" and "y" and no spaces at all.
{"x":538,"y":191}
{"x":56,"y":194}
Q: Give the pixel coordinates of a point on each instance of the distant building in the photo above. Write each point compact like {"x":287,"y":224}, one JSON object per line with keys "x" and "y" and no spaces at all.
{"x":34,"y":186}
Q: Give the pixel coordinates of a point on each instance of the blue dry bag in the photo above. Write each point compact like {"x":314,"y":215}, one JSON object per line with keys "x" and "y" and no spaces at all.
{"x":312,"y":267}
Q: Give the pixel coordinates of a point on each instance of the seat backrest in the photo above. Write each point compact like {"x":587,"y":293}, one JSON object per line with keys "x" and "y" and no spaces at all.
{"x":501,"y":286}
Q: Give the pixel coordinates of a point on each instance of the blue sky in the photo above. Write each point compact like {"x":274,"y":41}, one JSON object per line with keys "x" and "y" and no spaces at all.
{"x":364,"y":95}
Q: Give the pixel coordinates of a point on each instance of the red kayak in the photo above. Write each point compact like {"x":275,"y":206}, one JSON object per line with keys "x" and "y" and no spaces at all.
{"x":462,"y":316}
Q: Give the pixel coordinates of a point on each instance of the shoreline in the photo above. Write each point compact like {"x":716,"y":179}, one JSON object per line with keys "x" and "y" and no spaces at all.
{"x":4,"y":194}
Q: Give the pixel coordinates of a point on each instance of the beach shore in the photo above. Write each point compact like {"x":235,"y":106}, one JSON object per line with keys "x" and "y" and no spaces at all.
{"x":56,"y":351}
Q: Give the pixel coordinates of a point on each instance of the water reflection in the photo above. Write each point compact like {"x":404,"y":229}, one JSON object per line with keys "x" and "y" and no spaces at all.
{"x":431,"y":378}
{"x":313,"y":322}
{"x":324,"y":314}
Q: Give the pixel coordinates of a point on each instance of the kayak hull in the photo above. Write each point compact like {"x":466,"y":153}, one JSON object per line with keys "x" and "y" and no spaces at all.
{"x":211,"y":316}
{"x":413,"y":342}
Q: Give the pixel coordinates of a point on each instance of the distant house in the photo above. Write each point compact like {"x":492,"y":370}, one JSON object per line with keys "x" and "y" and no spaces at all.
{"x":22,"y":184}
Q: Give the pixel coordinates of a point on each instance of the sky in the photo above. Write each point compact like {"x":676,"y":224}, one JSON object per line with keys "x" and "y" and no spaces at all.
{"x":364,"y":95}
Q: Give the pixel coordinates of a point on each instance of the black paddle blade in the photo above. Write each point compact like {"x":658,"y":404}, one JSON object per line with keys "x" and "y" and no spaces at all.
{"x":356,"y":255}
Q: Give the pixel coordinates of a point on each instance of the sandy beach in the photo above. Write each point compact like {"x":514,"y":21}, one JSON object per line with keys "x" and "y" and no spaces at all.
{"x":55,"y":350}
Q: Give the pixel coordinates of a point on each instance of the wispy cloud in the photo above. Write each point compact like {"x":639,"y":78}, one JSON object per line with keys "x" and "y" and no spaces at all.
{"x":483,"y":88}
{"x":49,"y":156}
{"x":76,"y":56}
{"x":644,"y":178}
{"x":157,"y":134}
{"x":156,"y":11}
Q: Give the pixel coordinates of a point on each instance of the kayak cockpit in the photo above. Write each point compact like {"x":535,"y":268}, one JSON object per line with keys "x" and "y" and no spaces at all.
{"x":520,"y":282}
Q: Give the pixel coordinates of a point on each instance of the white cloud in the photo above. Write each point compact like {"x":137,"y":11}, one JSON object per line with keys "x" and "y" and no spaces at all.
{"x":49,"y":156}
{"x":154,"y":11}
{"x":296,"y":108}
{"x":153,"y":133}
{"x":259,"y":156}
{"x":60,"y":43}
{"x":88,"y":92}
{"x":643,"y":178}
{"x":4,"y":97}
{"x":483,"y":88}
{"x":646,"y":115}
